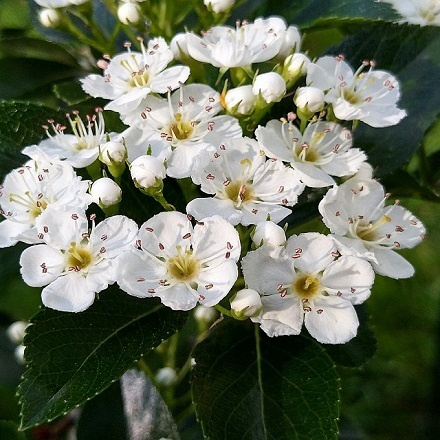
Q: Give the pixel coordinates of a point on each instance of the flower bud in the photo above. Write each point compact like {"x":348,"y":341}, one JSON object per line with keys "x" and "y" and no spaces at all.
{"x":270,"y":86}
{"x":16,"y":331}
{"x":246,"y":303}
{"x":179,"y":47}
{"x":291,"y":42}
{"x":309,"y":100}
{"x":219,"y":5}
{"x":49,"y":18}
{"x":19,"y":353}
{"x":105,"y":192}
{"x":268,"y":233}
{"x":146,"y":171}
{"x":166,"y":376}
{"x":240,"y":101}
{"x":205,"y":314}
{"x":295,"y":65}
{"x":129,"y":13}
{"x":112,"y":153}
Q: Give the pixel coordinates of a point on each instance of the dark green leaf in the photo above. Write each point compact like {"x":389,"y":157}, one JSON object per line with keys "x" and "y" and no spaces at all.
{"x":74,"y":356}
{"x":249,"y":386}
{"x":70,"y":92}
{"x":9,"y":431}
{"x":360,"y":349}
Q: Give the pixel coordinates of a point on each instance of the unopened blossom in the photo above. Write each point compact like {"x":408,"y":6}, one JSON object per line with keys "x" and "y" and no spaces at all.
{"x":129,"y":77}
{"x":224,"y":46}
{"x":421,"y":12}
{"x":16,"y":332}
{"x":370,"y":96}
{"x":179,"y":46}
{"x":59,"y":3}
{"x":179,"y":128}
{"x":106,"y":192}
{"x":291,"y":42}
{"x":270,"y":86}
{"x":219,"y":6}
{"x":30,"y":190}
{"x":246,"y":188}
{"x":268,"y":233}
{"x":166,"y":376}
{"x":147,"y":171}
{"x":240,"y":100}
{"x":113,"y":153}
{"x":309,"y":100}
{"x":49,"y":17}
{"x":324,"y":150}
{"x":79,"y":149}
{"x":181,"y":264}
{"x":309,"y":283}
{"x":246,"y":303}
{"x":75,"y":262}
{"x":129,"y":13}
{"x":356,"y":214}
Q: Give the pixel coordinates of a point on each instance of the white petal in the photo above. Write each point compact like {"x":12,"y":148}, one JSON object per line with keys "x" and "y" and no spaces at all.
{"x":179,"y":297}
{"x":205,"y":207}
{"x":41,"y":264}
{"x":9,"y":231}
{"x":98,"y":87}
{"x":332,"y":320}
{"x":68,"y":293}
{"x":171,"y":78}
{"x":312,"y":175}
{"x":391,"y":264}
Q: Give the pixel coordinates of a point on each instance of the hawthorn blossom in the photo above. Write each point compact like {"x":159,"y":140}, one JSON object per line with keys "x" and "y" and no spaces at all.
{"x":270,"y":86}
{"x":247,"y":189}
{"x":59,"y":3}
{"x":179,"y":128}
{"x":30,"y":190}
{"x":79,"y":149}
{"x":129,"y":77}
{"x":356,"y":214}
{"x":369,"y":96}
{"x":309,"y":283}
{"x":226,"y":47}
{"x":219,"y":6}
{"x":181,"y":264}
{"x":421,"y":12}
{"x":75,"y":263}
{"x":324,"y":150}
{"x":49,"y":18}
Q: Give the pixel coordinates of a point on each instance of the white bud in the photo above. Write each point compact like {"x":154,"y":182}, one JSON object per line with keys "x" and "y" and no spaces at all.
{"x":129,"y":13}
{"x":145,"y":170}
{"x":240,"y":100}
{"x":268,"y":233}
{"x":246,"y":303}
{"x":205,"y":314}
{"x":271,"y":86}
{"x":19,"y":353}
{"x":112,"y":153}
{"x":105,"y":192}
{"x":16,"y":331}
{"x":179,"y":46}
{"x":166,"y":376}
{"x":291,"y":42}
{"x":219,"y":5}
{"x":49,"y":18}
{"x":309,"y":99}
{"x":295,"y":65}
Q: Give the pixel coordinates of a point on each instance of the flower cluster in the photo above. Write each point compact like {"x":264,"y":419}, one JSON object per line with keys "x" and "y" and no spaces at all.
{"x":243,"y":172}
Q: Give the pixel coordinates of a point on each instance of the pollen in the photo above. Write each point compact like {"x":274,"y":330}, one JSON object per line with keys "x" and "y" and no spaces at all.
{"x":307,"y":286}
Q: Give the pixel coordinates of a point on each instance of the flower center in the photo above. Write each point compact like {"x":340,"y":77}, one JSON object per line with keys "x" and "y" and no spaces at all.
{"x":239,"y":193}
{"x":79,"y":258}
{"x":307,"y":286}
{"x":139,"y":79}
{"x":36,"y":207}
{"x":306,"y":153}
{"x":369,"y":232}
{"x":183,"y":266}
{"x":351,"y":96}
{"x":180,"y":129}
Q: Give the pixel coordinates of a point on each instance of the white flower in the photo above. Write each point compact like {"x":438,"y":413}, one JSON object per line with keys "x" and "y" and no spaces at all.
{"x":179,"y":46}
{"x":309,"y":284}
{"x":250,"y":43}
{"x":247,"y":188}
{"x":129,"y":77}
{"x":205,"y":314}
{"x":129,"y":13}
{"x":271,"y":86}
{"x":105,"y":192}
{"x":295,"y":65}
{"x":269,"y":234}
{"x":179,"y":128}
{"x":309,"y":100}
{"x":323,"y":150}
{"x":240,"y":101}
{"x":166,"y":376}
{"x":356,"y":214}
{"x":146,"y":171}
{"x":30,"y":190}
{"x":421,"y":12}
{"x":246,"y":303}
{"x":79,"y":149}
{"x":291,"y":42}
{"x":49,"y":17}
{"x":219,"y":6}
{"x":180,"y":264}
{"x":370,"y":96}
{"x":16,"y":331}
{"x":75,"y":263}
{"x":112,"y":153}
{"x":59,"y":3}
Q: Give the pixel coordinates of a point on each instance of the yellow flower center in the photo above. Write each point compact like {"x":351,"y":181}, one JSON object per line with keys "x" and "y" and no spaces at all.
{"x":369,"y":232}
{"x":183,"y":266}
{"x":180,"y":129}
{"x":307,"y":286}
{"x":79,"y":258}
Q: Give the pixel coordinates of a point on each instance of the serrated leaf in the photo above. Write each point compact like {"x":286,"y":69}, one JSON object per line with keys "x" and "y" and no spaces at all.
{"x":74,"y":356}
{"x":247,"y":386}
{"x":70,"y":92}
{"x":411,"y":53}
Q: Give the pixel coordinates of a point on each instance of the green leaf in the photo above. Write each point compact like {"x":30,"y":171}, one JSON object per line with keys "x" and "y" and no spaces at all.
{"x":411,"y":53}
{"x":360,"y":349}
{"x":9,"y":431}
{"x":70,"y":92}
{"x":249,"y":386}
{"x":74,"y":356}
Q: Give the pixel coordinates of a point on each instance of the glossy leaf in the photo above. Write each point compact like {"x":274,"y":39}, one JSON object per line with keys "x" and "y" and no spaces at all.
{"x":73,"y":357}
{"x":70,"y":92}
{"x":249,"y":386}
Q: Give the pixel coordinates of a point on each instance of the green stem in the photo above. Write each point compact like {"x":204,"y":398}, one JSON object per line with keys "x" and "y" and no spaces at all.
{"x":80,"y":36}
{"x":260,"y":376}
{"x":161,"y":199}
{"x":143,"y":366}
{"x":223,"y":310}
